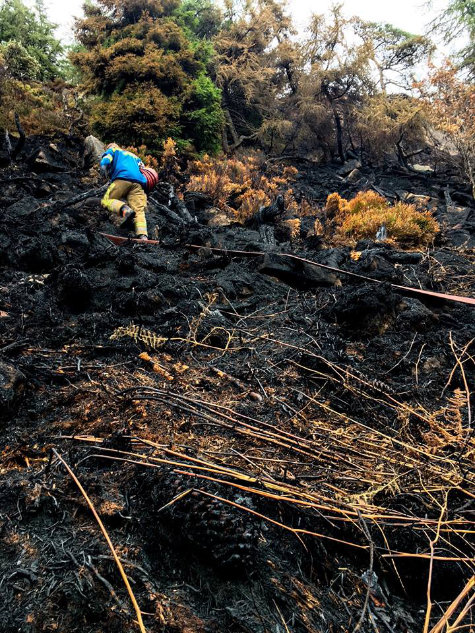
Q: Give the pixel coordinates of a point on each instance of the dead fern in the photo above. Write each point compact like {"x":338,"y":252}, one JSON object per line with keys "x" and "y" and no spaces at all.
{"x":139,"y":333}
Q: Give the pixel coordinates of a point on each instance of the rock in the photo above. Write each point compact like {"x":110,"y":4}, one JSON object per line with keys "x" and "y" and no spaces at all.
{"x":348,"y":167}
{"x":419,"y":201}
{"x":74,"y":288}
{"x":354,"y":176}
{"x":423,"y":169}
{"x":75,"y":238}
{"x":414,"y":314}
{"x":373,"y":261}
{"x":461,"y":239}
{"x":12,"y":384}
{"x":297,"y":273}
{"x":93,"y":150}
{"x":22,"y":208}
{"x":457,"y":216}
{"x":403,"y":257}
{"x":40,"y":162}
{"x":216,"y":217}
{"x":365,"y":308}
{"x":335,"y":257}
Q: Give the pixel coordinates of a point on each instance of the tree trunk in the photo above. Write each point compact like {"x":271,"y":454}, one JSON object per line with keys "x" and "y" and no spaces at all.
{"x":339,"y":135}
{"x":400,"y":152}
{"x":224,"y":139}
{"x":21,"y":141}
{"x":230,"y":125}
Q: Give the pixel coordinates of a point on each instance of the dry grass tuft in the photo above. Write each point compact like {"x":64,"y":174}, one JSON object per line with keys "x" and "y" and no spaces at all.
{"x":363,"y":216}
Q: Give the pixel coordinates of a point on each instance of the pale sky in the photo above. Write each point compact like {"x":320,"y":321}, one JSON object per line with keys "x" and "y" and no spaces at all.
{"x":410,"y":15}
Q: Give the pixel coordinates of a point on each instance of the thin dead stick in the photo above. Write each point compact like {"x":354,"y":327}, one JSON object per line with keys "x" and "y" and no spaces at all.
{"x":417,"y":363}
{"x":404,"y":357}
{"x":452,"y":559}
{"x":432,"y":544}
{"x":463,"y":351}
{"x":454,"y":606}
{"x":281,"y":617}
{"x":109,"y":542}
{"x":107,"y":584}
{"x":259,"y":468}
{"x":175,"y":499}
{"x":457,"y":624}
{"x":370,"y":571}
{"x":292,"y":494}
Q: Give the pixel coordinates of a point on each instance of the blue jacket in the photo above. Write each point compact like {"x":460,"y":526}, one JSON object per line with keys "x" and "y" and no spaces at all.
{"x":122,"y":165}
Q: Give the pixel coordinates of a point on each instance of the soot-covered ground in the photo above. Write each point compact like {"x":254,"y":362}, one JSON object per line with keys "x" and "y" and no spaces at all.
{"x":271,"y":446}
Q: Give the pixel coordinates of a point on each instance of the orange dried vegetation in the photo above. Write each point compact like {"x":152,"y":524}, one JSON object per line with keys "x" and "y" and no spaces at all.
{"x":362,"y":216}
{"x":239,"y":186}
{"x":143,"y":153}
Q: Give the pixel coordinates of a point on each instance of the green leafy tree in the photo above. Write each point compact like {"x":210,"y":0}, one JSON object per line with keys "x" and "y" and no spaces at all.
{"x":18,"y":62}
{"x":204,"y":115}
{"x":456,"y":22}
{"x":31,"y":29}
{"x":202,"y":19}
{"x":147,"y":80}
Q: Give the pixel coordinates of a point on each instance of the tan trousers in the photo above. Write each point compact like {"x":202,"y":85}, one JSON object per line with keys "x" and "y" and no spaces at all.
{"x":121,"y":191}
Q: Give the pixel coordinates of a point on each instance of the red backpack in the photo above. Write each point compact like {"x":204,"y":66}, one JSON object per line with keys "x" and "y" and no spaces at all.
{"x":151,"y":176}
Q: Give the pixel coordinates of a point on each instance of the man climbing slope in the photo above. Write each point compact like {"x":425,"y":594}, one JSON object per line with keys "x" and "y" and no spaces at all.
{"x":126,"y":195}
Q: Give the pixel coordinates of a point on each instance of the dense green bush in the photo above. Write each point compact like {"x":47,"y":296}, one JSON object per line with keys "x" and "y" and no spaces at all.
{"x":147,"y":80}
{"x":31,"y":30}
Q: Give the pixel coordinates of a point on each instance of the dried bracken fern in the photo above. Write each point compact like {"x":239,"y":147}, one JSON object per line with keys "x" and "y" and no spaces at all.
{"x":239,"y":186}
{"x":155,"y":342}
{"x":138,"y":333}
{"x":453,"y":412}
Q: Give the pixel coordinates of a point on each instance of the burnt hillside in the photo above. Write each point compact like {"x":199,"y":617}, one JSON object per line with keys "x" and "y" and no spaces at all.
{"x":271,"y":446}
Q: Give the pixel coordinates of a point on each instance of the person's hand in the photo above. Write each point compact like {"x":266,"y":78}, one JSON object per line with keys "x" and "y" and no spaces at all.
{"x":105,"y":171}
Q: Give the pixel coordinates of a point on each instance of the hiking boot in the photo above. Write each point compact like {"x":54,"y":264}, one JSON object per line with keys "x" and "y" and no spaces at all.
{"x":127,"y":214}
{"x":142,"y":237}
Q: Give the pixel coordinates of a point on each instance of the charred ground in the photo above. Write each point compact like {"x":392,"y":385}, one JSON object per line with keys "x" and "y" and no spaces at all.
{"x":308,"y":435}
